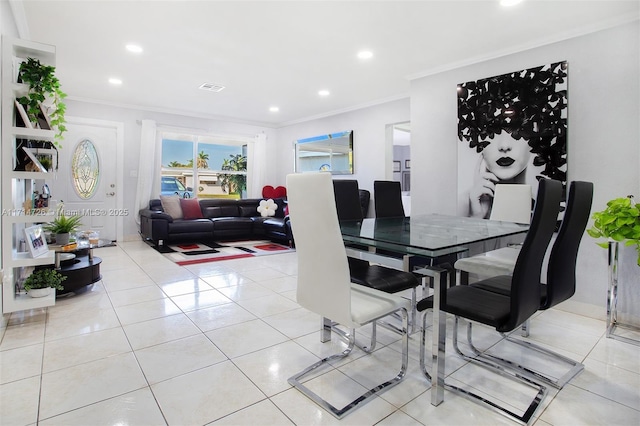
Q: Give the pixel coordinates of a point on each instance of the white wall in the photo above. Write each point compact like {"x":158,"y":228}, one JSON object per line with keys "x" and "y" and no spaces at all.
{"x":371,"y":152}
{"x":130,"y":118}
{"x":603,"y":134}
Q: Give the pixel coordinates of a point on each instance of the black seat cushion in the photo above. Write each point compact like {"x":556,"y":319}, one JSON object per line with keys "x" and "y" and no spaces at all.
{"x":504,"y":288}
{"x":500,"y":286}
{"x":383,"y":279}
{"x":484,"y":306}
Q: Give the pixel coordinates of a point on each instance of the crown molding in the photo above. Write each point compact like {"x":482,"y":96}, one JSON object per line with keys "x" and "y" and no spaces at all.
{"x":611,"y":23}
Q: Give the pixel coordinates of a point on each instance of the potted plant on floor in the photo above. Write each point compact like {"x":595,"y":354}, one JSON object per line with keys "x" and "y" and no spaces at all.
{"x":41,"y":281}
{"x":62,"y":226}
{"x":620,"y":222}
{"x":44,"y":89}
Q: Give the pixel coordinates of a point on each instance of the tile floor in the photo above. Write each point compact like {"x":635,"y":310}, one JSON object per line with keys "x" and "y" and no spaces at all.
{"x":155,"y":344}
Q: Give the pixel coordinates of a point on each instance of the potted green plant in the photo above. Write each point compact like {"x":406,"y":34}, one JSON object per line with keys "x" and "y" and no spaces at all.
{"x":41,"y":281}
{"x":620,"y":222}
{"x":45,"y":161}
{"x":63,"y":225}
{"x":43,"y":85}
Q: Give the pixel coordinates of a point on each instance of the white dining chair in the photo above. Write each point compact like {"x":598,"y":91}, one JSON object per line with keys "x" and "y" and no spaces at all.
{"x":511,"y":203}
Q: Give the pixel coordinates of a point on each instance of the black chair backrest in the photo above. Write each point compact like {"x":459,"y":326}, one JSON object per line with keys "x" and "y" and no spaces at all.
{"x":365,"y":198}
{"x":525,"y":282}
{"x":561,"y":272}
{"x":387,"y":198}
{"x":347,"y":198}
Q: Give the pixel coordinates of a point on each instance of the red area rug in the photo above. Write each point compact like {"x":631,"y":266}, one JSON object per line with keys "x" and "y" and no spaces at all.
{"x":194,"y":253}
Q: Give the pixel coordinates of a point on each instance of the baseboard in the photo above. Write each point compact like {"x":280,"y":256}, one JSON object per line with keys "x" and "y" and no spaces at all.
{"x":584,"y":309}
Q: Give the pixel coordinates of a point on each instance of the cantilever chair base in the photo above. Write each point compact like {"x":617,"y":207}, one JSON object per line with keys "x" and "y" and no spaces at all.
{"x":523,"y":418}
{"x":339,"y":413}
{"x":558,"y":383}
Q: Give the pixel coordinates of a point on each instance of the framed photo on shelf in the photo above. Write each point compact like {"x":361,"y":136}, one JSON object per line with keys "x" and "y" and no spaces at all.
{"x":396,"y":166}
{"x":407,"y":164}
{"x":36,"y":241}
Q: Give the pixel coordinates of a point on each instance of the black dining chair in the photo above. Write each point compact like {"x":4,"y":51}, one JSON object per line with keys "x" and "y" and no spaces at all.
{"x":351,"y":201}
{"x":503,"y":312}
{"x":387,"y":198}
{"x":349,"y":206}
{"x":561,"y":279}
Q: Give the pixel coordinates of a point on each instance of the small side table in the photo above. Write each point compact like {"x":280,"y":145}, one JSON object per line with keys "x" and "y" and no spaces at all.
{"x":81,"y":271}
{"x":612,"y":300}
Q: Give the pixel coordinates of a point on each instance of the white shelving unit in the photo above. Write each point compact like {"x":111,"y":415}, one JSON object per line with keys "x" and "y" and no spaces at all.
{"x":17,"y":185}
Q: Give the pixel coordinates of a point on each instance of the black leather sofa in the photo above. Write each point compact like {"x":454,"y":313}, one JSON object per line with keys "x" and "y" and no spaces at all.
{"x":223,"y":219}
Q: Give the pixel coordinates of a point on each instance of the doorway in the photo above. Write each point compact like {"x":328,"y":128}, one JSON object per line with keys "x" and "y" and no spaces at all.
{"x":101,"y":205}
{"x":400,"y":141}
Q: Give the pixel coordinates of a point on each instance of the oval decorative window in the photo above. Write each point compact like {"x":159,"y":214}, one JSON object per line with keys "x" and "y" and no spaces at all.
{"x":85,"y":169}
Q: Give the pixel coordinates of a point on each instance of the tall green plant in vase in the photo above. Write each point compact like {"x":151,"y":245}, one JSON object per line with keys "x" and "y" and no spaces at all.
{"x":44,"y":89}
{"x":620,"y":221}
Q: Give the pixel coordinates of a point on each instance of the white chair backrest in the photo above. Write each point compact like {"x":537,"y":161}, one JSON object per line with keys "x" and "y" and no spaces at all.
{"x":324,"y":281}
{"x":512,"y":203}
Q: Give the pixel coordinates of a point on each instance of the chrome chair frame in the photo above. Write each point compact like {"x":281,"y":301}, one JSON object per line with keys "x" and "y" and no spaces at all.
{"x":339,"y":413}
{"x":439,"y":277}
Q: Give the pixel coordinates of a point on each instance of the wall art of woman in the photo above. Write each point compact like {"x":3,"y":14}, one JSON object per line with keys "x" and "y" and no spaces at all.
{"x":516,"y":127}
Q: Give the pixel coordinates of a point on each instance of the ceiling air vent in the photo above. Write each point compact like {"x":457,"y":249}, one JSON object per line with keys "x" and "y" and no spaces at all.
{"x":212,"y":87}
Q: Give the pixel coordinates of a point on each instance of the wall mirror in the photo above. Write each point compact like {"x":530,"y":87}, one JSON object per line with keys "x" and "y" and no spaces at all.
{"x":332,"y":153}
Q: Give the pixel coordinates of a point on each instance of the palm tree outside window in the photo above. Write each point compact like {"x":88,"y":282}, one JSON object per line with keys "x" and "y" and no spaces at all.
{"x":211,"y":167}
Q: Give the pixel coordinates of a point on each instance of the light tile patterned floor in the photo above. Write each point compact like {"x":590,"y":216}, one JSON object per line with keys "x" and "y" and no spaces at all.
{"x":155,"y":343}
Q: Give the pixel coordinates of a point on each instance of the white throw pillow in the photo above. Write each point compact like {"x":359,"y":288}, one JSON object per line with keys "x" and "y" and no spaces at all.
{"x":171,"y":206}
{"x":267,"y":208}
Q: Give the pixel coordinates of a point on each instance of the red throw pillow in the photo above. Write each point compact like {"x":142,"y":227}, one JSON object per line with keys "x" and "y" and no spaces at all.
{"x":267,"y":192}
{"x":190,"y":208}
{"x":280,"y":192}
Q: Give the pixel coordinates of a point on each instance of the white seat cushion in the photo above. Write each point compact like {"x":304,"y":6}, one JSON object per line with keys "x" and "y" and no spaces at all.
{"x":490,"y":264}
{"x":368,"y":304}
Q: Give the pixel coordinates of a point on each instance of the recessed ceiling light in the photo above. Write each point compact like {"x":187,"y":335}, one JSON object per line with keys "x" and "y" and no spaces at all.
{"x":365,"y":54}
{"x":133,"y":48}
{"x":115,"y":81}
{"x":274,"y":109}
{"x":323,"y":93}
{"x":510,"y":2}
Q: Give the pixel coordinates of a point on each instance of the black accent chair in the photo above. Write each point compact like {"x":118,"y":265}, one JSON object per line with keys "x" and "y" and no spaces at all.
{"x":561,"y":279}
{"x":387,"y":198}
{"x":503,"y":312}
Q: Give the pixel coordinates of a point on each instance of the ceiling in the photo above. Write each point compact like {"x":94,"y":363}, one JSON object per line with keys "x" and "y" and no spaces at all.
{"x":269,"y":53}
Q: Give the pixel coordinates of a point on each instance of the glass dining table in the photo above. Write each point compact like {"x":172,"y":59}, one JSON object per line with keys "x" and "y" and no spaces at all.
{"x":430,"y":236}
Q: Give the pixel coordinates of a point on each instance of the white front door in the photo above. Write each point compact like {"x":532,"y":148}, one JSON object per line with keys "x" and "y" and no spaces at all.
{"x":98,"y":204}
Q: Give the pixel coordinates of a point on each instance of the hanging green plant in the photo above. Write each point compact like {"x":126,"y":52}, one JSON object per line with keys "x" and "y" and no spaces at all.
{"x":43,"y":85}
{"x":620,"y":221}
